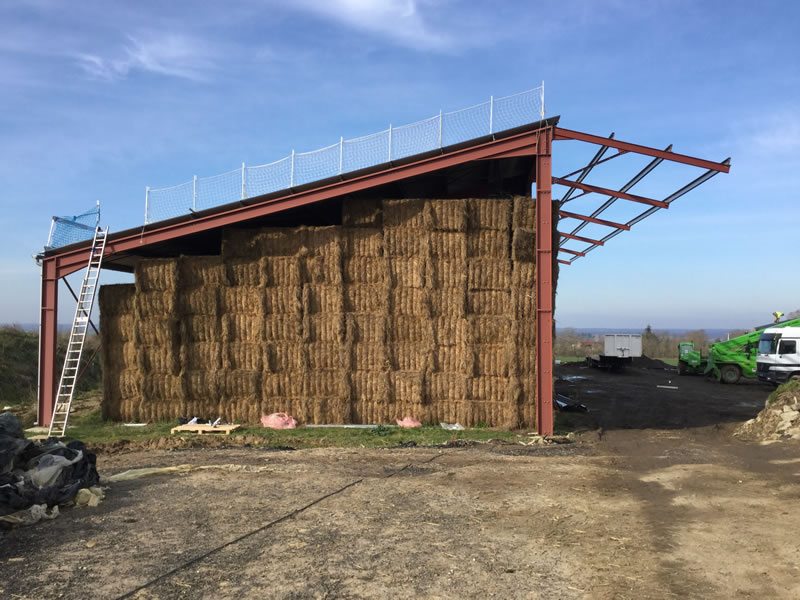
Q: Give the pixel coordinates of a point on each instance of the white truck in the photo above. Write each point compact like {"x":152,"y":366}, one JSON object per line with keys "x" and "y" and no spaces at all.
{"x":778,"y":358}
{"x":619,"y":349}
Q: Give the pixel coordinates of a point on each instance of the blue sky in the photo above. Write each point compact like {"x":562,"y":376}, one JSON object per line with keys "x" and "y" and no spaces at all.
{"x":100,"y":99}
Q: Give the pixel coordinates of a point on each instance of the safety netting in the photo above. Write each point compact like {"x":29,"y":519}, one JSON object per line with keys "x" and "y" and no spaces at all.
{"x":71,"y":229}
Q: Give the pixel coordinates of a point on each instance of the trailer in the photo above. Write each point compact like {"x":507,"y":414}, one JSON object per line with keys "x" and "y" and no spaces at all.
{"x":619,"y":350}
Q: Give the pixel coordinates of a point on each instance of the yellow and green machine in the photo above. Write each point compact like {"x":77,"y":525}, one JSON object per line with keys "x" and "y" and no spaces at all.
{"x":727,"y":361}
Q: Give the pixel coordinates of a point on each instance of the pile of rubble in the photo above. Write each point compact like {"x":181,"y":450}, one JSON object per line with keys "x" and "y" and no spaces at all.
{"x":780,"y":418}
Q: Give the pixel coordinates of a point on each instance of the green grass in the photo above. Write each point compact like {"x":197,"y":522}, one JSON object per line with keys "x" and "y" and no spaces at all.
{"x":91,"y":429}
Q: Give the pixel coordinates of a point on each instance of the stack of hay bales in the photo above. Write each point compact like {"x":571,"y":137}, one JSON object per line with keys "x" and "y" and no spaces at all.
{"x":201,"y":280}
{"x":411,"y":307}
{"x":158,"y":339}
{"x":122,"y":378}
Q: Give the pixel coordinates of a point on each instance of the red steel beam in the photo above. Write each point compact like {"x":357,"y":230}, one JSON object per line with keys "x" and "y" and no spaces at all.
{"x":580,"y":238}
{"x":564,"y":262}
{"x":74,"y":259}
{"x":568,"y":134}
{"x":607,"y":192}
{"x":573,"y":252}
{"x":48,"y":339}
{"x":572,"y":215}
{"x":545,"y":257}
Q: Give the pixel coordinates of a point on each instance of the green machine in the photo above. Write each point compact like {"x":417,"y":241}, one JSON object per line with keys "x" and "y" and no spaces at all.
{"x":727,"y":361}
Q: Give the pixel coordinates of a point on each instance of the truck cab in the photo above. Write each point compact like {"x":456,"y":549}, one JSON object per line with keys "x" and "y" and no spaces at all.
{"x":778,"y":357}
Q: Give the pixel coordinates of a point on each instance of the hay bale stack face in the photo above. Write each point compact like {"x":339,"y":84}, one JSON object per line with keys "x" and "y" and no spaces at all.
{"x":410,"y":307}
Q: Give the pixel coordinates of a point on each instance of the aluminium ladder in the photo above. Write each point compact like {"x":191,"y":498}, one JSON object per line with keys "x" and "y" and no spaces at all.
{"x":77,"y":335}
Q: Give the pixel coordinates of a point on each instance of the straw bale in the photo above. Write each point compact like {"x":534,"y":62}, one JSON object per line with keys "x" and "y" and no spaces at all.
{"x":491,"y":359}
{"x":199,"y":301}
{"x":154,"y":331}
{"x":525,"y":334}
{"x":522,"y":275}
{"x":155,"y":304}
{"x":201,"y":328}
{"x":241,"y":384}
{"x":451,"y":302}
{"x":405,"y":328}
{"x":409,"y":356}
{"x":327,"y":355}
{"x":448,"y":245}
{"x":488,"y":274}
{"x":116,"y":300}
{"x":323,"y":269}
{"x":523,"y":246}
{"x":448,"y":215}
{"x":281,"y":241}
{"x":326,"y":383}
{"x":366,"y":269}
{"x":283,"y":328}
{"x":324,"y":328}
{"x":524,"y":213}
{"x":248,"y":356}
{"x":281,"y":385}
{"x":489,"y":214}
{"x":370,"y":386}
{"x":203,"y":355}
{"x":130,"y":383}
{"x":407,"y":272}
{"x":447,"y":273}
{"x":282,"y":271}
{"x":321,"y":241}
{"x":450,"y":330}
{"x":284,"y":356}
{"x":163,"y":389}
{"x":489,"y":302}
{"x":242,"y":300}
{"x":322,"y":298}
{"x":367,"y":328}
{"x":447,"y":386}
{"x":367,"y":356}
{"x":405,"y":213}
{"x":410,"y":301}
{"x":366,"y":299}
{"x":237,"y":327}
{"x":158,"y":359}
{"x":117,"y":328}
{"x":489,"y":389}
{"x":451,"y":359}
{"x":365,"y":241}
{"x":524,"y":302}
{"x":407,"y":386}
{"x":488,"y":244}
{"x":283,"y":300}
{"x":156,"y":275}
{"x":202,"y":385}
{"x":402,"y":241}
{"x":240,"y":243}
{"x":246,"y":272}
{"x":127,"y":353}
{"x":366,"y":212}
{"x":492,"y":329}
{"x":197,"y":271}
{"x":525,"y":360}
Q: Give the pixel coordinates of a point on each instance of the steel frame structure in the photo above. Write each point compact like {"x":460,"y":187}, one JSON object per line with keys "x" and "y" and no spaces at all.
{"x":535,"y":141}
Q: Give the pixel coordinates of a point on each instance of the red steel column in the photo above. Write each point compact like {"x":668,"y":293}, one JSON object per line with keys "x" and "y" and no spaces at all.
{"x":544,"y":284}
{"x":48,"y":339}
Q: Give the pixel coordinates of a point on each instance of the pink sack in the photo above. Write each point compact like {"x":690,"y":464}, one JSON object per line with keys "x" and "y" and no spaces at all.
{"x":278,"y":421}
{"x":408,"y":423}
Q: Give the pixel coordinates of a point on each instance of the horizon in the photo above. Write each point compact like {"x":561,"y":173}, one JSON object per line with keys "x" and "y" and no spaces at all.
{"x":154,"y":94}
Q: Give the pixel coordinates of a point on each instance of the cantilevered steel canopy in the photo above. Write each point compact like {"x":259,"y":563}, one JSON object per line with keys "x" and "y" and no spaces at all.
{"x":495,"y":165}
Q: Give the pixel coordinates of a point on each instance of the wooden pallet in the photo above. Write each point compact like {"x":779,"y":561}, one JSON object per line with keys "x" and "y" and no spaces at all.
{"x":201,"y":429}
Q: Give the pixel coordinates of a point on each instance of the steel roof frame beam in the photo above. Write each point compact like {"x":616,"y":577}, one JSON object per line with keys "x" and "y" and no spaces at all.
{"x":580,"y":238}
{"x":584,"y":171}
{"x":572,"y":215}
{"x":593,"y":189}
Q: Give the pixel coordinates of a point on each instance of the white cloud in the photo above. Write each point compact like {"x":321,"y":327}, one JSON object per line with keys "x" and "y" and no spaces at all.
{"x":167,"y":54}
{"x":399,"y":20}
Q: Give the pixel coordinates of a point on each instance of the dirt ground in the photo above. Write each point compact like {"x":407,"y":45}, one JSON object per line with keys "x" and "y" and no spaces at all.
{"x":655,"y":500}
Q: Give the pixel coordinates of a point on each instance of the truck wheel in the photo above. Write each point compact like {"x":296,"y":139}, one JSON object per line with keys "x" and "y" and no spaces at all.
{"x":682,"y":370}
{"x":795,"y":377}
{"x":729,"y":374}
